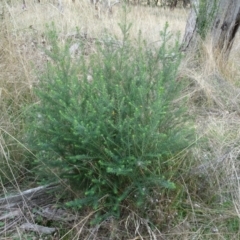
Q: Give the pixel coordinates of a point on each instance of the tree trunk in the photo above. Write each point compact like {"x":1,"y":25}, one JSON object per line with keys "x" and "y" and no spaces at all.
{"x":189,"y":39}
{"x":223,"y":26}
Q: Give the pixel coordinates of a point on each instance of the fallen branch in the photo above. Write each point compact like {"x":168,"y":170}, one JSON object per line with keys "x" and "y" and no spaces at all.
{"x":37,"y":228}
{"x":21,"y":208}
{"x":35,"y":196}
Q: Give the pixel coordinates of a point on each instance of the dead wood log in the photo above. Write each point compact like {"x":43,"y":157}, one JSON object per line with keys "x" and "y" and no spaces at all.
{"x":54,"y":214}
{"x":25,"y":207}
{"x":36,"y":196}
{"x":10,"y":215}
{"x":37,"y":228}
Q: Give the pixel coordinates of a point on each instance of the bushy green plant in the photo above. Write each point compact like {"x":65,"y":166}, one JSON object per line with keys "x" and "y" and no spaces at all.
{"x":205,"y":15}
{"x":109,"y":122}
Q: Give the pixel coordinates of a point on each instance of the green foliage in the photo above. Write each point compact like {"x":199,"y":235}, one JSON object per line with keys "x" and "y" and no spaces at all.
{"x":206,"y":13}
{"x":233,"y":224}
{"x":109,"y":122}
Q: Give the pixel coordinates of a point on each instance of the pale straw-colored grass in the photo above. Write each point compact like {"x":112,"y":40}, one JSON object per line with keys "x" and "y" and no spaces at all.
{"x":82,"y":15}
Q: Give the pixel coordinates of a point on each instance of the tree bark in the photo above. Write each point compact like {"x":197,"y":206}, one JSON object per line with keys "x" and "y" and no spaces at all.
{"x":189,"y":39}
{"x":226,"y":25}
{"x":223,"y":27}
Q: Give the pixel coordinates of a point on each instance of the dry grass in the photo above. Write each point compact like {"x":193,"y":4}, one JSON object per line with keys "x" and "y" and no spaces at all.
{"x":212,"y":207}
{"x":215,"y":103}
{"x":83,"y":16}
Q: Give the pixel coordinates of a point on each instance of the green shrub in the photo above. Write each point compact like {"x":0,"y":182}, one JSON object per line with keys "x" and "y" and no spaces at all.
{"x":205,"y":15}
{"x":109,"y":122}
